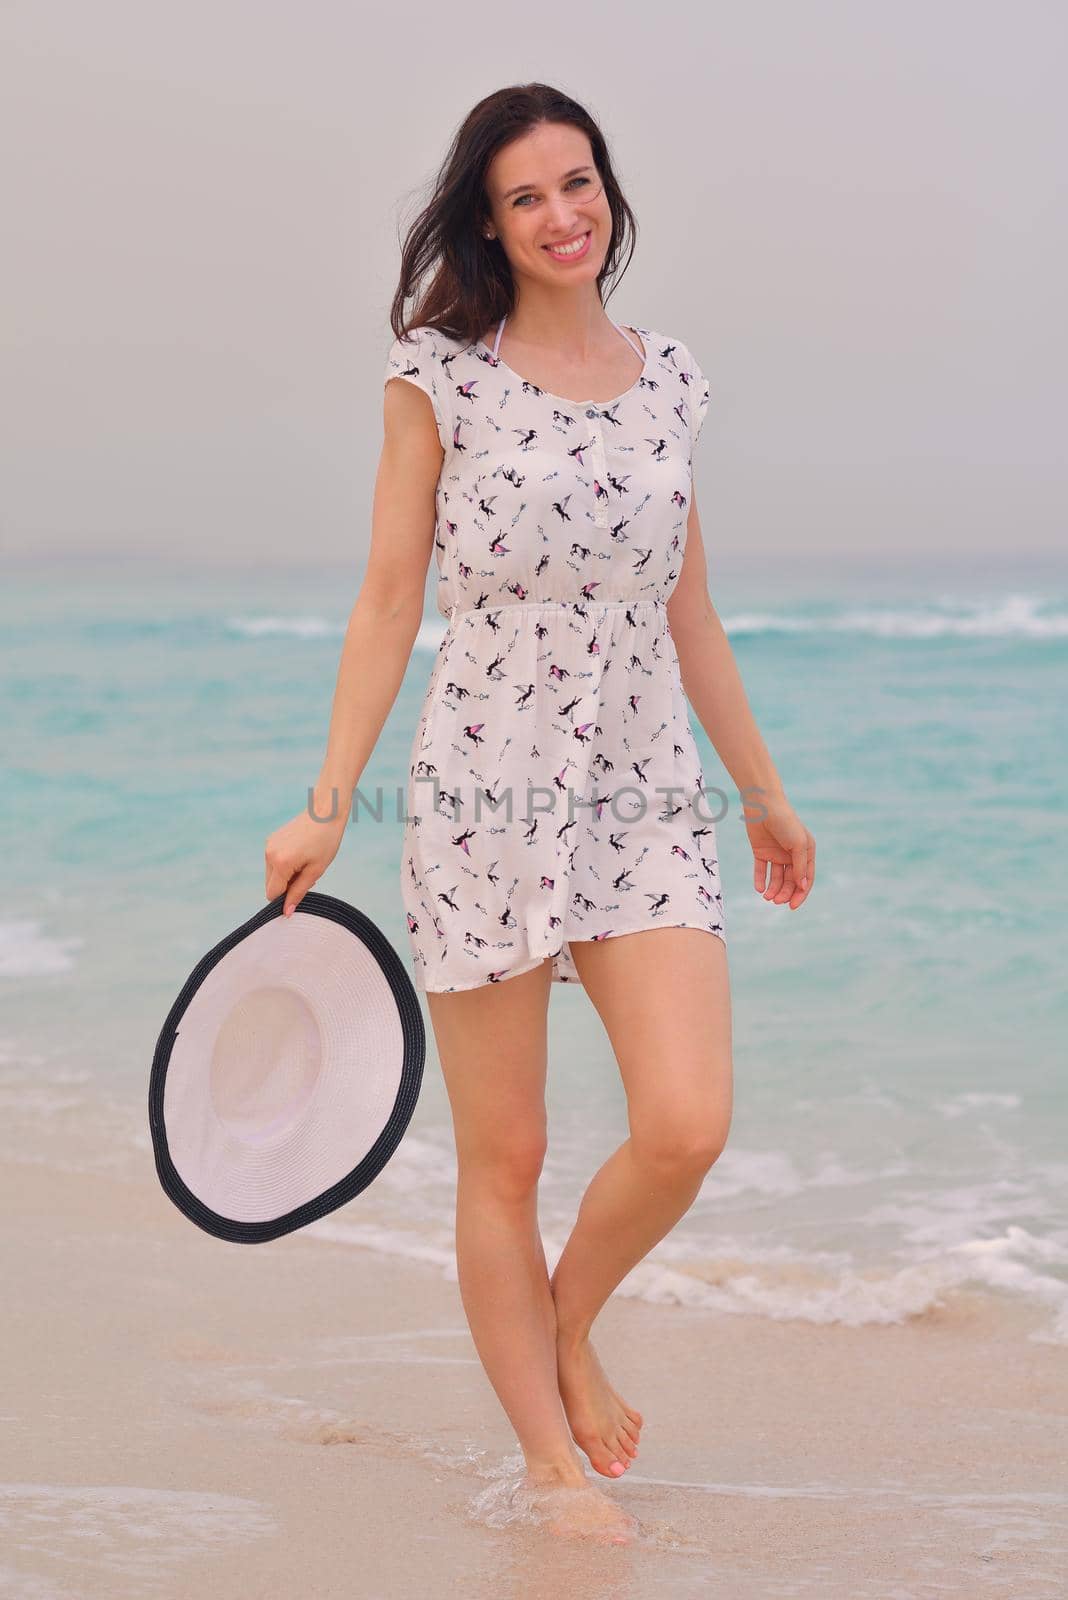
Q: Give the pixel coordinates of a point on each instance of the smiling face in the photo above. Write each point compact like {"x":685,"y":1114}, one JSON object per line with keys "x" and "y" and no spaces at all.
{"x":545,"y":193}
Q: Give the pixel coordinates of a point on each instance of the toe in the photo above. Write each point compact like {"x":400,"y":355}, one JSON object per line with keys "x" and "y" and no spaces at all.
{"x":603,"y":1455}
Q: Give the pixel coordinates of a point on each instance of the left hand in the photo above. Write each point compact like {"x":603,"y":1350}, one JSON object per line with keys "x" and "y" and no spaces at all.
{"x":781,"y":840}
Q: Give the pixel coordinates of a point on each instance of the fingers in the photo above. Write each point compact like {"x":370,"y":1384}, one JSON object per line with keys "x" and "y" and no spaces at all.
{"x":802,"y":874}
{"x":775,"y":881}
{"x":788,"y":882}
{"x":808,"y":869}
{"x":278,"y":875}
{"x":298,"y":889}
{"x":294,"y":858}
{"x":767,"y":883}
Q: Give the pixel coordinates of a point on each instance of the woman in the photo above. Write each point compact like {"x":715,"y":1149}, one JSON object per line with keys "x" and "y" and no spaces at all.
{"x":571,"y":567}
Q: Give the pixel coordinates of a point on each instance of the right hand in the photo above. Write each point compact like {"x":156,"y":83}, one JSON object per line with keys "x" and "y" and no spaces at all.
{"x":297,"y":855}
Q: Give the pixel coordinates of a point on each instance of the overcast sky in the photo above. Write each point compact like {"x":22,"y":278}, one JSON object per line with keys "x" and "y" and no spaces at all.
{"x":853,"y":214}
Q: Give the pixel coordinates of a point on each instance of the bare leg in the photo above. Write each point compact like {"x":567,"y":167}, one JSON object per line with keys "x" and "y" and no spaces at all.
{"x":492,"y":1047}
{"x":664,"y":997}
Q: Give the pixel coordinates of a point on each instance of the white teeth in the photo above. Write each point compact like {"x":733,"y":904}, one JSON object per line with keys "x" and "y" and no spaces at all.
{"x":569,"y":249}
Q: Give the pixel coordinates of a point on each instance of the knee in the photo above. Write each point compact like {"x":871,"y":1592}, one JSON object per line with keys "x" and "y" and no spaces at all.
{"x":690,"y":1143}
{"x":507,"y":1168}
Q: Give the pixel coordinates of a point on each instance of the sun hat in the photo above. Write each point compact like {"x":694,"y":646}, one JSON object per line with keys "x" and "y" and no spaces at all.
{"x":286,"y":1072}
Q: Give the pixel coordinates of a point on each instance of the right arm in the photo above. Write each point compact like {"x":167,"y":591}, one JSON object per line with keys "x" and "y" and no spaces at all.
{"x":381,"y":631}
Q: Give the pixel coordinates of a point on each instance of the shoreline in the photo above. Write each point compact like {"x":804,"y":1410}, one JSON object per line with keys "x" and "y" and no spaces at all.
{"x":169,"y":1398}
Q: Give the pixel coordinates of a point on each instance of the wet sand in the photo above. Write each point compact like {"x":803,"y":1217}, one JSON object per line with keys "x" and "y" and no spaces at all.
{"x":183,"y":1416}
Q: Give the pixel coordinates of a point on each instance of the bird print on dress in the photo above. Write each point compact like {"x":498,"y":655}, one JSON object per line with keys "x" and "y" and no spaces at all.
{"x":555,"y":791}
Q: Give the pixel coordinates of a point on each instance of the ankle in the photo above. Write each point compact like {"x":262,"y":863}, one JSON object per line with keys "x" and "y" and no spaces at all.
{"x":562,"y":1472}
{"x":571,"y":1335}
{"x":571,"y":1332}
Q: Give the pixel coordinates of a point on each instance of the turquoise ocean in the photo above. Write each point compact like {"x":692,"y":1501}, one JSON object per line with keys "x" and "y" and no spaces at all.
{"x":899,"y":1132}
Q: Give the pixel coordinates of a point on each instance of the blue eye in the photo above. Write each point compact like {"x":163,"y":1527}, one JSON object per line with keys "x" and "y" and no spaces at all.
{"x":580,"y":180}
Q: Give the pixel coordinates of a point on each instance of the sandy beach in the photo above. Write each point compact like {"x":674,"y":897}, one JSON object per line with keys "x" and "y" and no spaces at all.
{"x":184,"y":1416}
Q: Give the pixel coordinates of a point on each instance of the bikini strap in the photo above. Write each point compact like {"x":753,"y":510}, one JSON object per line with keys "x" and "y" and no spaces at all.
{"x":626,"y":336}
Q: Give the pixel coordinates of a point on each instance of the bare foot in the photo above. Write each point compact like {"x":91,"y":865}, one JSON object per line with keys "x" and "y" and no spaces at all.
{"x":578,"y":1510}
{"x":600,"y":1420}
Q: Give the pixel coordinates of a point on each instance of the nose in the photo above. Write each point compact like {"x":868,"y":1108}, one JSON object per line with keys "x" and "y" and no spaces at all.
{"x":565,"y":218}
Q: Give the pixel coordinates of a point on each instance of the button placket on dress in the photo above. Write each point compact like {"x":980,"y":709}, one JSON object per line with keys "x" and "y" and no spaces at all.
{"x":597,"y":461}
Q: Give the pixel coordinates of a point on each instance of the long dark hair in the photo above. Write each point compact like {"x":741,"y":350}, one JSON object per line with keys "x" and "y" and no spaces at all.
{"x":471,"y":285}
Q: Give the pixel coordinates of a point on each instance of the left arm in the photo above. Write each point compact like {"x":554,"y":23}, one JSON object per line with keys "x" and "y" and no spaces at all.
{"x":713,"y":686}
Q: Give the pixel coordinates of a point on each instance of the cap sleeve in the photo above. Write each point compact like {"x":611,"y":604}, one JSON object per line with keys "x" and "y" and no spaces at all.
{"x":697,"y":396}
{"x":417,"y":357}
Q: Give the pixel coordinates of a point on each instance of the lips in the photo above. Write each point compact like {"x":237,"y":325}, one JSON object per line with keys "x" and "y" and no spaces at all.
{"x":571,"y":254}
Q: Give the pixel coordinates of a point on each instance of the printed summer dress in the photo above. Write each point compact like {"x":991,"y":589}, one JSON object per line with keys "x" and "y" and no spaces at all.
{"x":555,"y":791}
